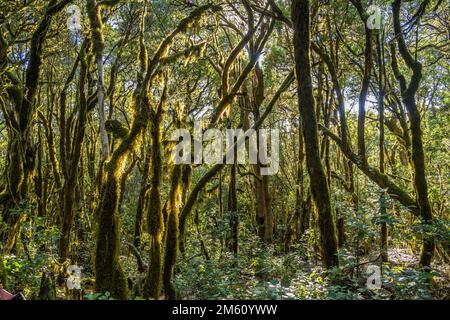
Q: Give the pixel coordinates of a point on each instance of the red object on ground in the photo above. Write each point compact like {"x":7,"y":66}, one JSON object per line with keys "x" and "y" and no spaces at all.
{"x":5,"y":295}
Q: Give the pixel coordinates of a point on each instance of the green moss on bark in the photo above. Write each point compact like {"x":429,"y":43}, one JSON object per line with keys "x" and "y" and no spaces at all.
{"x":172,"y":233}
{"x":153,"y":282}
{"x":108,"y":271}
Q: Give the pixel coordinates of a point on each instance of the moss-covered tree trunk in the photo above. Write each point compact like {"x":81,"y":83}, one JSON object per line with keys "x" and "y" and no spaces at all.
{"x":233,"y":242}
{"x":301,"y":204}
{"x":365,"y":81}
{"x":3,"y":275}
{"x":263,"y":212}
{"x":318,"y":180}
{"x":408,"y":92}
{"x":264,"y":217}
{"x":21,"y":151}
{"x":109,"y":275}
{"x":171,"y":252}
{"x":73,"y":156}
{"x":142,"y":200}
{"x":155,"y":220}
{"x":95,"y":19}
{"x":381,"y":94}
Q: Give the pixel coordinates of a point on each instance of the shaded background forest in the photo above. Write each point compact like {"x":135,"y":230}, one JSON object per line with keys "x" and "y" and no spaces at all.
{"x":88,"y":103}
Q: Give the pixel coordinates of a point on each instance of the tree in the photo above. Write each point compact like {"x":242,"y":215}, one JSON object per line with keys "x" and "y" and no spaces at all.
{"x":408,"y":92}
{"x":87,"y":120}
{"x":318,"y":180}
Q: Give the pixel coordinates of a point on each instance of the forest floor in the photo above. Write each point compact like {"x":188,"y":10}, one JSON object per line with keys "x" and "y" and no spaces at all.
{"x":260,"y":273}
{"x":291,"y":276}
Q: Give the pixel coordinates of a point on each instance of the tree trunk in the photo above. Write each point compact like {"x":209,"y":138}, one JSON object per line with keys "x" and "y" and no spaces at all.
{"x":383,"y":213}
{"x":153,"y":281}
{"x":232,"y":211}
{"x":95,"y":19}
{"x":21,"y":151}
{"x":73,"y":159}
{"x":318,"y":180}
{"x":172,"y":233}
{"x":141,"y":205}
{"x":408,"y":96}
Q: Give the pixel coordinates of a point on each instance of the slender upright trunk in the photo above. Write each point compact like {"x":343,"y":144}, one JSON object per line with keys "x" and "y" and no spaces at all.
{"x":95,"y":19}
{"x":365,"y":81}
{"x":73,"y":156}
{"x":232,"y":210}
{"x":39,"y":178}
{"x":264,"y":217}
{"x":153,"y":281}
{"x":318,"y":180}
{"x":300,"y":208}
{"x":141,"y":205}
{"x":383,"y":226}
{"x":172,"y":233}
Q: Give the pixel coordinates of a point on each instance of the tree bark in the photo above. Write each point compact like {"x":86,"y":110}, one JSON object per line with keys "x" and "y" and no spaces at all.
{"x":381,"y":89}
{"x":418,"y":157}
{"x":21,"y":151}
{"x":318,"y":180}
{"x":232,"y":211}
{"x":95,"y":19}
{"x":153,"y":281}
{"x":73,"y":157}
{"x":172,"y":233}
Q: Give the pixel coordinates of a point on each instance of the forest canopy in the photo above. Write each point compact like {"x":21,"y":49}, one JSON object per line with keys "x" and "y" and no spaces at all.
{"x":235,"y":149}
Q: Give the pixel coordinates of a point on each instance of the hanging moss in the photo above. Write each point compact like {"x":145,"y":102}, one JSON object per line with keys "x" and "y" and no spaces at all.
{"x":189,"y":55}
{"x":184,"y":25}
